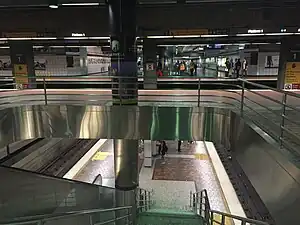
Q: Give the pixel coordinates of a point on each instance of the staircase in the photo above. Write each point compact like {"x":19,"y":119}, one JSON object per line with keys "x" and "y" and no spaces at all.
{"x":37,"y":199}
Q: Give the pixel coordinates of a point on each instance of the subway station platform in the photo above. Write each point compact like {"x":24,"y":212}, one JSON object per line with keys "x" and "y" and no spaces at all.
{"x":172,"y":179}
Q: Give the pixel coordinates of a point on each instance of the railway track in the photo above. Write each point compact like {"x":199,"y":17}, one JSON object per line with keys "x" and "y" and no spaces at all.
{"x":248,"y":197}
{"x":59,"y":165}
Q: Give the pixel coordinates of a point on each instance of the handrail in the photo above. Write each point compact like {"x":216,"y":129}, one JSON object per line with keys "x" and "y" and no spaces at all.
{"x":45,"y":218}
{"x":242,"y":99}
{"x":270,"y":88}
{"x":199,"y":202}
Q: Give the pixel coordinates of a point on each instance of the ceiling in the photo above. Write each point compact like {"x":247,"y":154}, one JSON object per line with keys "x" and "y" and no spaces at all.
{"x":45,"y":3}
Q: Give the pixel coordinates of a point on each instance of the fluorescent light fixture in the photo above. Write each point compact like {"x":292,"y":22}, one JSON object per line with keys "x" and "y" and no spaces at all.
{"x":81,"y":4}
{"x":44,"y":38}
{"x":298,"y":29}
{"x":4,"y":46}
{"x":187,"y":36}
{"x":214,"y":35}
{"x":53,"y":6}
{"x":200,"y":49}
{"x":99,"y":38}
{"x":255,"y":31}
{"x":274,"y":34}
{"x":159,"y":37}
{"x":282,"y":30}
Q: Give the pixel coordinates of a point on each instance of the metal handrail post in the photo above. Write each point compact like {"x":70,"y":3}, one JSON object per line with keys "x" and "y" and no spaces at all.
{"x":284,"y":97}
{"x":199,"y":83}
{"x":45,"y":91}
{"x":242,"y":98}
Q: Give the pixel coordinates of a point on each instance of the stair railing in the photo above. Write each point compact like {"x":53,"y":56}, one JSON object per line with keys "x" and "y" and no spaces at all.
{"x":83,"y":217}
{"x":144,"y":200}
{"x":199,"y":202}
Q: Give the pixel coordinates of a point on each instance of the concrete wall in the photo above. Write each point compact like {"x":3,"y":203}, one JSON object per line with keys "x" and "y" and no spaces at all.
{"x":275,"y":179}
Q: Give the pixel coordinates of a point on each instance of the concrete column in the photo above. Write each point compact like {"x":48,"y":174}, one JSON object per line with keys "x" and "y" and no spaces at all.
{"x":149,"y":152}
{"x":149,"y":59}
{"x":126,"y":175}
{"x":122,"y":18}
{"x":22,"y":61}
{"x":83,"y":60}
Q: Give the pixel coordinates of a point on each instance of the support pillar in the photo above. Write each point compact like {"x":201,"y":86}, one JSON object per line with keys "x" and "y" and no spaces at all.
{"x":126,"y":175}
{"x":150,"y":61}
{"x":83,"y":60}
{"x":22,"y":62}
{"x":149,"y":152}
{"x":122,"y":19}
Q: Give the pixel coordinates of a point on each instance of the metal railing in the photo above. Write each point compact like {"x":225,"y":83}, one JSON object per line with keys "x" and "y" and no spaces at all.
{"x":275,"y":111}
{"x":144,"y":200}
{"x":199,"y":202}
{"x":83,"y":217}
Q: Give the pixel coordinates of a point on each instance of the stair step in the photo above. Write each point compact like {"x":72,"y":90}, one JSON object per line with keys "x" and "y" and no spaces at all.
{"x":168,"y":217}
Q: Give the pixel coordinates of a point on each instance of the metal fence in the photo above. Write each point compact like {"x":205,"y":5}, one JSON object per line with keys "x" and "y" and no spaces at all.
{"x":199,"y":202}
{"x":275,"y":111}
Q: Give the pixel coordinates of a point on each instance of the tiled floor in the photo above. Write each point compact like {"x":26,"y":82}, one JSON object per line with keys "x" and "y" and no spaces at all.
{"x":192,"y":164}
{"x":101,"y":163}
{"x":172,"y":179}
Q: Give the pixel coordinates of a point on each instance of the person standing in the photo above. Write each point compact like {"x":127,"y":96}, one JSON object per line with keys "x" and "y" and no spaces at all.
{"x":244,"y":68}
{"x":238,"y":66}
{"x":179,"y":146}
{"x":164,"y":149}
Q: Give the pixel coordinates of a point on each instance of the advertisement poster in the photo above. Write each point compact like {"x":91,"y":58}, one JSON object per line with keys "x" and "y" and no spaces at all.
{"x":272,"y":61}
{"x":292,"y":75}
{"x":40,"y":64}
{"x":5,"y":65}
{"x":21,"y":73}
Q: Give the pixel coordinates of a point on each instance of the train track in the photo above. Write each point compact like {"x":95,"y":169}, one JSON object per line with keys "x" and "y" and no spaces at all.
{"x":248,"y":197}
{"x":59,"y":165}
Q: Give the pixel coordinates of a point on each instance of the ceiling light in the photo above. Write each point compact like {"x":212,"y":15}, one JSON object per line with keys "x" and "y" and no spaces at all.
{"x":81,"y":4}
{"x":53,"y":4}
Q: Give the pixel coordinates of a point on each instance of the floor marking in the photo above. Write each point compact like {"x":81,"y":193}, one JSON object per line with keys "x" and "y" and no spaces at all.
{"x":201,"y":156}
{"x":101,"y":156}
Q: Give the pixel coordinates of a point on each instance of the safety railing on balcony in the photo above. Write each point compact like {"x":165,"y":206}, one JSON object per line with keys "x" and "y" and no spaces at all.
{"x":199,"y":202}
{"x":275,"y":111}
{"x":123,"y":215}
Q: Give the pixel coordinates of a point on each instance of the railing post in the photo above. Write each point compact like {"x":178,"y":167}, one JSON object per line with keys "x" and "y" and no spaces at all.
{"x":199,"y":83}
{"x":190,"y":199}
{"x":242,"y":98}
{"x":45,"y":91}
{"x":282,"y":118}
{"x":90,"y":220}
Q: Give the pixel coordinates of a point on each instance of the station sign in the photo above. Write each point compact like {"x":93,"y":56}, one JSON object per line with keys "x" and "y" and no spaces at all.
{"x":178,"y":32}
{"x":292,"y":75}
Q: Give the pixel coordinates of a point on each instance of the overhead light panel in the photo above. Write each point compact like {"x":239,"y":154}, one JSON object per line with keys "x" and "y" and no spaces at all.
{"x":81,"y":4}
{"x":53,"y":4}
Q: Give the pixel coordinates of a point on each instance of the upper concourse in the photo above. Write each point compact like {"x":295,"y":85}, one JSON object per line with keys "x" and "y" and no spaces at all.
{"x":153,"y":17}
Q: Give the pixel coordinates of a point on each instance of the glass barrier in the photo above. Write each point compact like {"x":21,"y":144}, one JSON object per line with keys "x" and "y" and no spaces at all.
{"x":26,"y":194}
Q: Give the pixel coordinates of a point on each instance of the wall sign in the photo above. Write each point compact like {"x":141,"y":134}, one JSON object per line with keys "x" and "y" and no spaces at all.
{"x":149,"y":66}
{"x":292,"y":75}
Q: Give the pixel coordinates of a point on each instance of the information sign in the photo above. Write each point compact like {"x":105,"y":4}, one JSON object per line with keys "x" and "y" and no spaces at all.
{"x":292,"y":75}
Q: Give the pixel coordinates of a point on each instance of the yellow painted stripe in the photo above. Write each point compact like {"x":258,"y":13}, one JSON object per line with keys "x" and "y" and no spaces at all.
{"x":201,"y":156}
{"x":100,"y":155}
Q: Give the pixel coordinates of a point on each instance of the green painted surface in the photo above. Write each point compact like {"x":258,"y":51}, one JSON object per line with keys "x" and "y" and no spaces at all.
{"x":168,"y":217}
